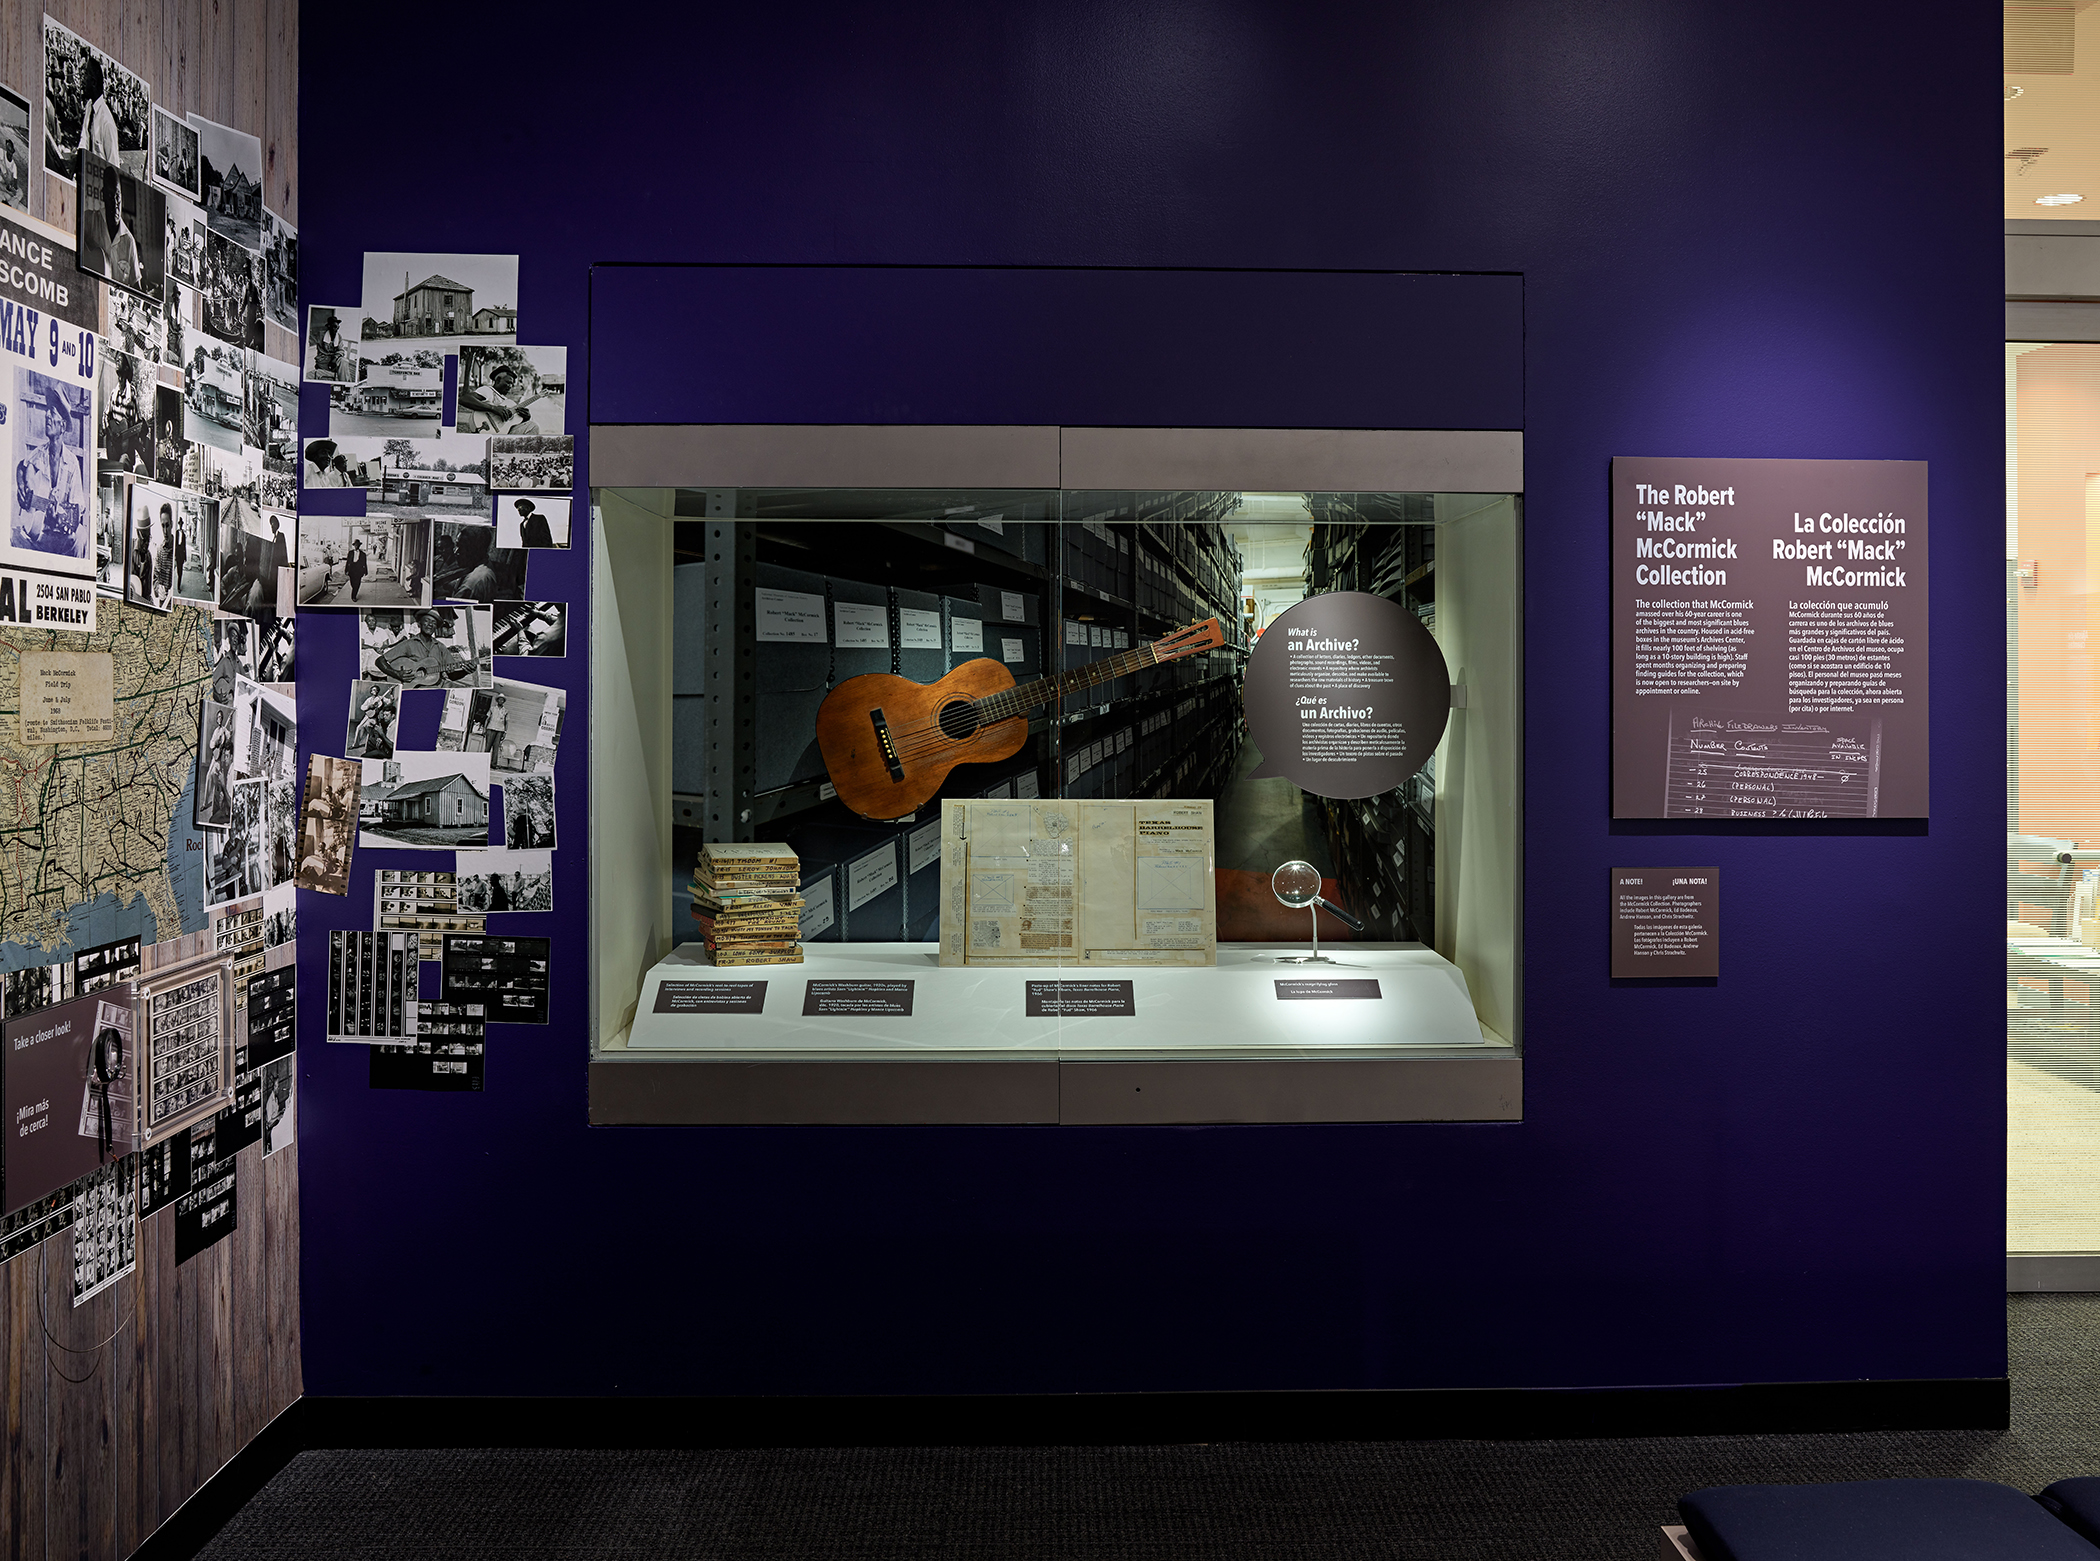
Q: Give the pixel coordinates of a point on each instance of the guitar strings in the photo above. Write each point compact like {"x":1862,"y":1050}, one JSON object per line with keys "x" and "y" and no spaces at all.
{"x":925,"y":737}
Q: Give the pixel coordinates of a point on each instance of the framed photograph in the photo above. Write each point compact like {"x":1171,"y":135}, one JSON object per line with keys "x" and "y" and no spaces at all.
{"x":14,"y":150}
{"x":92,"y":104}
{"x":230,"y":178}
{"x":185,"y":1052}
{"x":531,"y":522}
{"x":331,"y":345}
{"x":175,"y":164}
{"x":123,"y":228}
{"x":513,"y":390}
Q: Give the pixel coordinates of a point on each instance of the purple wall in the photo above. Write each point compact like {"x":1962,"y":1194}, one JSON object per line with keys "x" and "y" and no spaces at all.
{"x":1762,"y":230}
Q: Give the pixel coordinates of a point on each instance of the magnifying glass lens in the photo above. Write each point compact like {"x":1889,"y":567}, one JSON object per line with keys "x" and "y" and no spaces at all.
{"x":1296,"y":884}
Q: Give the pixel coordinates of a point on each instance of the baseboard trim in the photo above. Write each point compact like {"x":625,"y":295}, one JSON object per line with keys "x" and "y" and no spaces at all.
{"x":2063,"y":1273}
{"x":194,"y":1524}
{"x":1122,"y":1419}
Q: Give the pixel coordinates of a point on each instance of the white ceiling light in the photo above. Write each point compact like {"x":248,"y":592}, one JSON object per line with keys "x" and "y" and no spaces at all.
{"x":2058,"y":200}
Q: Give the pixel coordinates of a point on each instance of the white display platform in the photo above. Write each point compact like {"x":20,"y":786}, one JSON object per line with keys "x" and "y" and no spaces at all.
{"x":1230,"y":1011}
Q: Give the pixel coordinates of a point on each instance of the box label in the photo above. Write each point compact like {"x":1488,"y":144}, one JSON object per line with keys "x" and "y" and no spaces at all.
{"x":1010,"y":607}
{"x":870,"y":875}
{"x":790,"y":617}
{"x":925,"y":846}
{"x":859,"y":626}
{"x":968,"y":634}
{"x":1010,"y":650}
{"x":817,"y":915}
{"x":918,"y":629}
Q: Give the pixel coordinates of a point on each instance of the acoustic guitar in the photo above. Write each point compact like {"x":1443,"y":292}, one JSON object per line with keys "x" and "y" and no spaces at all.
{"x":889,"y":743}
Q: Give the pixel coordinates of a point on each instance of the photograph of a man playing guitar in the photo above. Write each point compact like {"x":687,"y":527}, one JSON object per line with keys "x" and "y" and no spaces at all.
{"x":51,"y":479}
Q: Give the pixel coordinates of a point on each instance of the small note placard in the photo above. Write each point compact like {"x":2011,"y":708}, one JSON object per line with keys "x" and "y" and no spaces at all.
{"x":67,"y":696}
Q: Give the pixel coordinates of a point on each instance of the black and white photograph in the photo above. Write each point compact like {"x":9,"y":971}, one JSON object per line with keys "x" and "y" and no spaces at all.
{"x":231,"y":167}
{"x":467,"y":566}
{"x":179,"y":324}
{"x":531,"y":628}
{"x":276,"y":640}
{"x":398,"y":399}
{"x":122,"y":233}
{"x":372,"y":978}
{"x":156,"y":526}
{"x":211,"y":805}
{"x":280,"y":926}
{"x":214,"y":393}
{"x":425,"y":647}
{"x":226,"y":474}
{"x":279,"y":1093}
{"x":26,"y":990}
{"x":441,"y":1065}
{"x":124,"y":441}
{"x":509,"y":977}
{"x":341,"y":463}
{"x":280,"y":253}
{"x":375,"y":720}
{"x":495,"y":881}
{"x":175,"y":163}
{"x":50,"y":521}
{"x":232,"y":657}
{"x":436,"y":801}
{"x":94,"y":104}
{"x":450,"y":301}
{"x":331,"y":345}
{"x":363,"y":561}
{"x":231,"y":292}
{"x":538,"y":463}
{"x":531,"y":522}
{"x":513,"y":390}
{"x":280,"y":831}
{"x":255,"y":551}
{"x":233,"y":856}
{"x":429,"y":479}
{"x":518,"y":725}
{"x":106,"y":964}
{"x":137,"y":326}
{"x":170,"y":444}
{"x":14,"y":150}
{"x":271,"y":419}
{"x":110,"y":518}
{"x":185,"y":241}
{"x":528,"y":812}
{"x":280,"y":487}
{"x":328,"y":808}
{"x":265,"y":734}
{"x":105,"y":1232}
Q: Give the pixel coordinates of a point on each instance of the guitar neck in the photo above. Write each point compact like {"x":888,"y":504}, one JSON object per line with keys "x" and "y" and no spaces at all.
{"x":1025,"y":697}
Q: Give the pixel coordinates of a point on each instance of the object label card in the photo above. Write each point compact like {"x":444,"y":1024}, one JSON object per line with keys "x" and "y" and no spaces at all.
{"x":1665,"y":921}
{"x":858,"y":999}
{"x":1769,"y":646}
{"x":710,"y":997}
{"x":870,"y":875}
{"x":1302,"y":991}
{"x":861,"y":626}
{"x":918,"y":628}
{"x":968,"y":634}
{"x":790,"y":617}
{"x":1082,"y":999}
{"x":67,"y":696}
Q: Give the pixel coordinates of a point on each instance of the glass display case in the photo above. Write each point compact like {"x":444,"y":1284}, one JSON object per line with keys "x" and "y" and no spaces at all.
{"x":965,"y":804}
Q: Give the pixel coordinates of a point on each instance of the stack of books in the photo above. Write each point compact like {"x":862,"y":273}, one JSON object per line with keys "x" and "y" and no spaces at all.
{"x":748,"y":901}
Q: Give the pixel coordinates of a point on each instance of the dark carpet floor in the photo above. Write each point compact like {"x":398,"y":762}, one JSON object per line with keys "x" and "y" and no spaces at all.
{"x":1436,"y":1501}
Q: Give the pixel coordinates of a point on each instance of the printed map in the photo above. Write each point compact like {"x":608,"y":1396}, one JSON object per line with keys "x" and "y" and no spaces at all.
{"x":96,"y":841}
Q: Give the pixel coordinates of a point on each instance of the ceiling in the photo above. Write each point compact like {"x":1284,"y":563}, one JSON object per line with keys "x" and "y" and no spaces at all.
{"x":2052,"y":55}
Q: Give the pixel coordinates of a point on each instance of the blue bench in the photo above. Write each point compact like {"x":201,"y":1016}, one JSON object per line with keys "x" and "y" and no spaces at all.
{"x":1891,"y":1520}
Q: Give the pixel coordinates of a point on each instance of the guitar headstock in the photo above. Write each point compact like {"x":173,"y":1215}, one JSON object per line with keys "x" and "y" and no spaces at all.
{"x":1193,"y":640}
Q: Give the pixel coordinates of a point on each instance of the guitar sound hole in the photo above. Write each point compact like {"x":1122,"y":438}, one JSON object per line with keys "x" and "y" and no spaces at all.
{"x":958,"y":721}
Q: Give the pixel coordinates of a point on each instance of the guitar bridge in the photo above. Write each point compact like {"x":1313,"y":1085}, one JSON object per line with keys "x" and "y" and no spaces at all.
{"x":888,"y":745}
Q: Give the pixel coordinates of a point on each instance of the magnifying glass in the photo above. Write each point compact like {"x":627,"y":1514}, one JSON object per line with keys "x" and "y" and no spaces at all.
{"x":1297,"y":884}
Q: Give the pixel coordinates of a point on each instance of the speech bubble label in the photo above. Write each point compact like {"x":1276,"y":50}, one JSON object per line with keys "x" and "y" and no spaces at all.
{"x":1347,"y":695}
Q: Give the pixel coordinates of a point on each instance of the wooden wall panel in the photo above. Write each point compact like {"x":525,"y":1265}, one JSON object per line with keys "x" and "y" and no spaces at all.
{"x":80,"y":1380}
{"x":203,"y":1356}
{"x":22,"y":1397}
{"x":281,"y":1271}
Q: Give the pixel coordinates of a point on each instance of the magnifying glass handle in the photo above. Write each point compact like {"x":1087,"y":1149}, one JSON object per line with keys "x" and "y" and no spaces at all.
{"x":1334,"y":910}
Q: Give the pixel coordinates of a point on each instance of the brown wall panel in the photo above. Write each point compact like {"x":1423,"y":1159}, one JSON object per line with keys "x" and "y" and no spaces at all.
{"x":22,"y":1499}
{"x":249,"y":1314}
{"x":80,"y":1378}
{"x":281,"y":1275}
